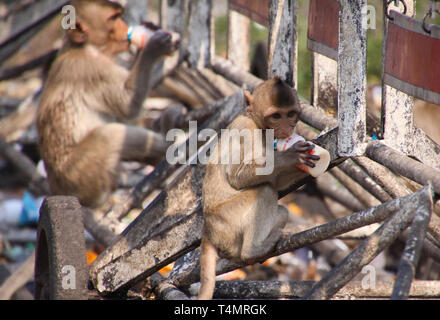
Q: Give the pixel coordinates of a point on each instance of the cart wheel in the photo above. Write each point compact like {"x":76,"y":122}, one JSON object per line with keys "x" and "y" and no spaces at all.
{"x":60,"y":262}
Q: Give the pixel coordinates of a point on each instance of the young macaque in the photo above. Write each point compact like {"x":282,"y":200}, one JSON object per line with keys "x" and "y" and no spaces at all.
{"x":243,"y":220}
{"x":87,"y":96}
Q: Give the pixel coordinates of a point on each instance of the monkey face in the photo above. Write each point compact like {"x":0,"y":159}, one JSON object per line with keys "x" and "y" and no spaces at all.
{"x":274,"y":105}
{"x":100,"y":24}
{"x":115,"y":30}
{"x":282,"y":120}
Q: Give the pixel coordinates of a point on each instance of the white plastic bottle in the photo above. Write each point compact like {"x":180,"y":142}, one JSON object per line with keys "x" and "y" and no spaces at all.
{"x":139,"y":36}
{"x":320,"y":166}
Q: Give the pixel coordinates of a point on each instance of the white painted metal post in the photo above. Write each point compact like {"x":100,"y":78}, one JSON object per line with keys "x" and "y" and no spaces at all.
{"x":173,"y":17}
{"x":324,"y":83}
{"x":397,"y":107}
{"x":201,"y":46}
{"x":239,"y":38}
{"x":352,"y":79}
{"x":283,"y":40}
{"x":136,"y":11}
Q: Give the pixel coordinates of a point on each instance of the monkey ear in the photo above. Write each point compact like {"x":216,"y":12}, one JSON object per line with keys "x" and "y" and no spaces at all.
{"x":249,"y":98}
{"x":79,"y":34}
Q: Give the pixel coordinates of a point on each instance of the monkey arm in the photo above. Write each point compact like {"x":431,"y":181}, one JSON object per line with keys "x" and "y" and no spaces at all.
{"x":138,"y":84}
{"x":275,"y":168}
{"x":241,"y":173}
{"x":123,"y":93}
{"x":244,"y":176}
{"x":253,"y":167}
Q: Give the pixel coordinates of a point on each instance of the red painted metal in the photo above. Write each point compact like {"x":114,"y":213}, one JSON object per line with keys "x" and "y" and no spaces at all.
{"x":413,"y":57}
{"x":324,"y":22}
{"x":255,"y":10}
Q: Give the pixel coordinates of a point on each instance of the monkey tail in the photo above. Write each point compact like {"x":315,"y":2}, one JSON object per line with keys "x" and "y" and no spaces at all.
{"x":208,"y":262}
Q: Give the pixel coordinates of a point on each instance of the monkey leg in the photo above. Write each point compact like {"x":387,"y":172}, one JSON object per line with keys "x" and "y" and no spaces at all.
{"x":137,"y":144}
{"x":116,"y":142}
{"x":91,"y":171}
{"x":266,"y":224}
{"x":208,"y":262}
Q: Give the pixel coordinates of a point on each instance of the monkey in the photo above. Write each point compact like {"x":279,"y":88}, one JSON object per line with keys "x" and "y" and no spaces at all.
{"x":88,"y":101}
{"x":242,"y":218}
{"x":259,"y":61}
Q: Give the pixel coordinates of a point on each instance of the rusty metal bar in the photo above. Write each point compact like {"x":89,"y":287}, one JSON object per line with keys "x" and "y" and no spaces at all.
{"x":372,"y":246}
{"x":403,"y":165}
{"x":411,"y":254}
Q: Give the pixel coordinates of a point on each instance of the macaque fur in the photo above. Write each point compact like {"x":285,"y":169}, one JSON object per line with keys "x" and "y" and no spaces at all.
{"x":87,"y":97}
{"x":243,"y":220}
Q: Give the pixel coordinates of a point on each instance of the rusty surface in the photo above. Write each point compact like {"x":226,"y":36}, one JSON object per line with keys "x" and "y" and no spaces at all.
{"x":255,"y":10}
{"x":412,"y":57}
{"x":323,"y":29}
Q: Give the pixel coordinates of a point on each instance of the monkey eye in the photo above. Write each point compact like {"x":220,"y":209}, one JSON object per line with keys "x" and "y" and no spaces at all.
{"x":115,"y":16}
{"x":291,"y":114}
{"x":276,"y":116}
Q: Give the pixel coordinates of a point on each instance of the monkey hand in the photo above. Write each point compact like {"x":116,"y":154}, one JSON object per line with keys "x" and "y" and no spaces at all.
{"x":172,"y":117}
{"x":150,"y":25}
{"x":160,"y":44}
{"x":303,"y":150}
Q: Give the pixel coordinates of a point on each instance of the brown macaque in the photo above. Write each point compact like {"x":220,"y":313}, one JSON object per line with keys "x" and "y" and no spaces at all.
{"x":259,"y":60}
{"x":243,"y":220}
{"x":86,"y":99}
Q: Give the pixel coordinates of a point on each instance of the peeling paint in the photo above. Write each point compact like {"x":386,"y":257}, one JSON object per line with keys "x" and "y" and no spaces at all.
{"x":325,"y":83}
{"x":283,"y":43}
{"x":352,"y":81}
